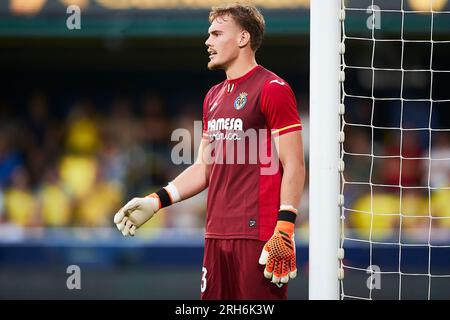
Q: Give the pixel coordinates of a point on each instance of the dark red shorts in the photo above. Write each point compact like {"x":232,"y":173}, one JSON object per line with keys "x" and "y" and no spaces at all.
{"x":231,"y":271}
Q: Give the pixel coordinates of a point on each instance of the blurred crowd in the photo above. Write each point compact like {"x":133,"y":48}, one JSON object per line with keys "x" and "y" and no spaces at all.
{"x":77,"y":167}
{"x":398,"y":183}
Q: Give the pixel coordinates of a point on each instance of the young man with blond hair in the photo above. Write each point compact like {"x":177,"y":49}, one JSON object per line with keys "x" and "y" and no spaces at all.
{"x":249,"y":239}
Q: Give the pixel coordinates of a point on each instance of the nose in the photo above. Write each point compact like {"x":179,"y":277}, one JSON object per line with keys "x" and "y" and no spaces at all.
{"x":207,"y":43}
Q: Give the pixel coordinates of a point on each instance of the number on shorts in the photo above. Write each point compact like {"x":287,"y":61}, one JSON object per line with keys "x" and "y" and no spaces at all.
{"x":203,"y":286}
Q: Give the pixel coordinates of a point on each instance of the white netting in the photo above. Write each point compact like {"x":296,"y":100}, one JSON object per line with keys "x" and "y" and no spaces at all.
{"x":395,"y":220}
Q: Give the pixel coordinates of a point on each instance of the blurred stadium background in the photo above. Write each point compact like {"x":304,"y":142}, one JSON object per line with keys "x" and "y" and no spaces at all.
{"x":86,"y":118}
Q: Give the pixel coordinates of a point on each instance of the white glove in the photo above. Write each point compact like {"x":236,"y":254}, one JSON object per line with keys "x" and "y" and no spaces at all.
{"x":135,"y":213}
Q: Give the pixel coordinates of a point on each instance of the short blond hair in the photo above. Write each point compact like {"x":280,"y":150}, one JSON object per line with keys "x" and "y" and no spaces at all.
{"x":247,"y":16}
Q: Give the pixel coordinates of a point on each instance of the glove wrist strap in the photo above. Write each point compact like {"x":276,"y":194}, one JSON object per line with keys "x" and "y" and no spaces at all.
{"x":164,"y":198}
{"x":286,"y":221}
{"x":168,"y":195}
{"x":286,"y":215}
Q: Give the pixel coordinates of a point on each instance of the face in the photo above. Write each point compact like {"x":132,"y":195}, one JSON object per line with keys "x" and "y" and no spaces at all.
{"x":225,"y":37}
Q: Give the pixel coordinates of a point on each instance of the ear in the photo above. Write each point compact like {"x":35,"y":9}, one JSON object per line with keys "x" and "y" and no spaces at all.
{"x":244,"y":39}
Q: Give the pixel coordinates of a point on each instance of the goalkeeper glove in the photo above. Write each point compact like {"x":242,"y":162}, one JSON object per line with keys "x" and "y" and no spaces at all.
{"x":139,"y":210}
{"x":278,"y":254}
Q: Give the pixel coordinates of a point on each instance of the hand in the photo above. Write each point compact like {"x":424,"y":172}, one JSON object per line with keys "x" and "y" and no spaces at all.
{"x":135,"y":213}
{"x":278,"y":254}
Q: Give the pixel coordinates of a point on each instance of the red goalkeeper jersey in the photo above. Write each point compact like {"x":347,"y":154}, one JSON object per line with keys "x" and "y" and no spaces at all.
{"x":240,"y":117}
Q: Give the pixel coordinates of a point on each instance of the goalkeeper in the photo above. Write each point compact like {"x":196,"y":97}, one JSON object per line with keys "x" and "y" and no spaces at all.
{"x":249,"y":237}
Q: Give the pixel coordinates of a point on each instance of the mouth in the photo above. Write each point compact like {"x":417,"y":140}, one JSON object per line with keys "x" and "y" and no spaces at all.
{"x":212,"y":54}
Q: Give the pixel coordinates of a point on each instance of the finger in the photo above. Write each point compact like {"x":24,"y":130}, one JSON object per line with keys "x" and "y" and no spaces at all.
{"x":275,"y":279}
{"x":126,"y":230}
{"x":121,"y":224}
{"x":292,"y":264}
{"x":264,"y":256}
{"x":276,"y":272}
{"x":293,"y":274}
{"x":281,"y":269}
{"x":119,"y":216}
{"x":124,"y":211}
{"x":132,"y":230}
{"x":268,"y":270}
{"x":285,"y":279}
{"x":293,"y":269}
{"x":131,"y":206}
{"x":285,"y":272}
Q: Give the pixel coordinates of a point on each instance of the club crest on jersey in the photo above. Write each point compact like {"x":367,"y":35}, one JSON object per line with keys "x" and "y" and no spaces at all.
{"x":240,"y":101}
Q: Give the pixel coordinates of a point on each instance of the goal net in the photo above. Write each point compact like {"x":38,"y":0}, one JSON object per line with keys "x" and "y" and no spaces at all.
{"x":394,"y":153}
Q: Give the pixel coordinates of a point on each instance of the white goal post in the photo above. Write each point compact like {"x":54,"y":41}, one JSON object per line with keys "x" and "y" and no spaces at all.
{"x":385,"y":85}
{"x":325,"y":38}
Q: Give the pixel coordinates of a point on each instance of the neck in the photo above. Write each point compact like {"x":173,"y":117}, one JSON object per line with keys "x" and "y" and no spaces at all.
{"x":240,"y":67}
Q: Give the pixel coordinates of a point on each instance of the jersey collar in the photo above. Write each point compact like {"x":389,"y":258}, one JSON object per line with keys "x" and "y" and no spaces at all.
{"x":245,"y":76}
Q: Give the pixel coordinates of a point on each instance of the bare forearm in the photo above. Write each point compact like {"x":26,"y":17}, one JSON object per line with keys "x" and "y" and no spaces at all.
{"x":191,"y":181}
{"x":290,"y":150}
{"x":292,"y":183}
